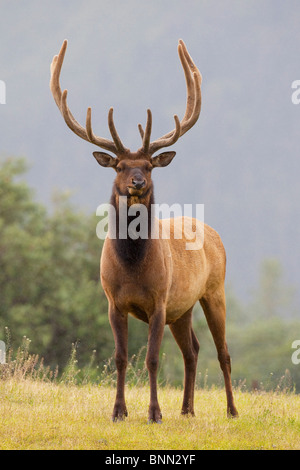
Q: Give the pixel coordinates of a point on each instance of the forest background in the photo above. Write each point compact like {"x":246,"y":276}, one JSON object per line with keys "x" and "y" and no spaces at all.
{"x":51,"y":295}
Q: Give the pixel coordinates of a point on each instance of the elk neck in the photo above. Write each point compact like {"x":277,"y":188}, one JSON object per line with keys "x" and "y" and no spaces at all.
{"x":129,"y":250}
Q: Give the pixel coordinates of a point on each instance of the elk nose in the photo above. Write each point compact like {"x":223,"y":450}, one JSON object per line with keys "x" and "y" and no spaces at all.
{"x":138,"y":183}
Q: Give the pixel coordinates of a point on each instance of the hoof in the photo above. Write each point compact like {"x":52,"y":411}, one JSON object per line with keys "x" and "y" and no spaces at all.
{"x":154,"y":416}
{"x":117,"y":419}
{"x":232,"y":413}
{"x":119,"y":414}
{"x":187,"y":413}
{"x":151,"y":421}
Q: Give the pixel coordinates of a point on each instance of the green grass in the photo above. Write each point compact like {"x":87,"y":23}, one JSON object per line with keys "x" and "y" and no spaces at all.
{"x":35,"y":414}
{"x":40,"y":410}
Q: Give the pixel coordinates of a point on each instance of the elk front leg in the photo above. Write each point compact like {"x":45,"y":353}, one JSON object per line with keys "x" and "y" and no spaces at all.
{"x":119,"y":325}
{"x":156,"y":331}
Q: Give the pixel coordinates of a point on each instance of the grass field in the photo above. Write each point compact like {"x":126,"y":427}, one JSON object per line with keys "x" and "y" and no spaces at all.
{"x":39,"y":415}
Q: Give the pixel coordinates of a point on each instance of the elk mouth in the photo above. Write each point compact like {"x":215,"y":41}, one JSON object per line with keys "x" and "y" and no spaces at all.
{"x":134,"y":191}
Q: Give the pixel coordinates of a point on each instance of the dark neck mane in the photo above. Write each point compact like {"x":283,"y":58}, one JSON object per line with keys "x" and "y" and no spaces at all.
{"x":132,"y":251}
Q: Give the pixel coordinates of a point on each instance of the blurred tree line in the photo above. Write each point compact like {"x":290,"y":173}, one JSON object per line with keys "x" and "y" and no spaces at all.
{"x":50,"y":292}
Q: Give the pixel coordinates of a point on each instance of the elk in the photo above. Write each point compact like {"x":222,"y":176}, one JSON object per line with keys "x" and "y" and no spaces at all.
{"x":156,"y":280}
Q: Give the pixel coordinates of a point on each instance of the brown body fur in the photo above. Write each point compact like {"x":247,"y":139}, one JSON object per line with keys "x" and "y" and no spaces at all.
{"x":178,"y":277}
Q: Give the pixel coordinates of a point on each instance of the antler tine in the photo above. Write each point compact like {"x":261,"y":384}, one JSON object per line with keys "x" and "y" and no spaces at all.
{"x":193,"y":83}
{"x":61,"y":100}
{"x":105,"y":143}
{"x":147,"y":134}
{"x":61,"y":97}
{"x":118,"y":143}
{"x":150,"y":148}
{"x":70,"y":120}
{"x":141,"y":130}
{"x":55,"y":69}
{"x":193,"y":102}
{"x":167,"y":140}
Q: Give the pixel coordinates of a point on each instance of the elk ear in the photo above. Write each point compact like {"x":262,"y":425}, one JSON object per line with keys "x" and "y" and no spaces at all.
{"x":163,"y":159}
{"x":104,"y":159}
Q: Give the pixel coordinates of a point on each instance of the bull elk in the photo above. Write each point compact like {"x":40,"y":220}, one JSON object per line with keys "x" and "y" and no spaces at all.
{"x":157,"y":280}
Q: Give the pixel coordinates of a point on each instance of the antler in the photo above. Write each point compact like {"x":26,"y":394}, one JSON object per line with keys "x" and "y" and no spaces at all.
{"x":193,"y":107}
{"x":60,"y":98}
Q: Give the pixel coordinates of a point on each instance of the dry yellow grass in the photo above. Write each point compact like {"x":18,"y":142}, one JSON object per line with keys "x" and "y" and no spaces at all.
{"x":38,"y":415}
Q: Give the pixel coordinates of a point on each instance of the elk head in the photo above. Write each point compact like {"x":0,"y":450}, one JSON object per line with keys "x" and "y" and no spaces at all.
{"x":133,"y":168}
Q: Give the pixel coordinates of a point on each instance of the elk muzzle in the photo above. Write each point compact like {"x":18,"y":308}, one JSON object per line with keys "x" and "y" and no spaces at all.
{"x":138,"y":183}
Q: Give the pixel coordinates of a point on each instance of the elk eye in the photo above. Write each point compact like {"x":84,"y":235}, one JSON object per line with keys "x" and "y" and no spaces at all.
{"x":119,"y":169}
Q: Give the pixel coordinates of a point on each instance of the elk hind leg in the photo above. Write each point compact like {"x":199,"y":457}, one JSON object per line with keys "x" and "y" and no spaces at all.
{"x":186,"y":339}
{"x":214,"y":308}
